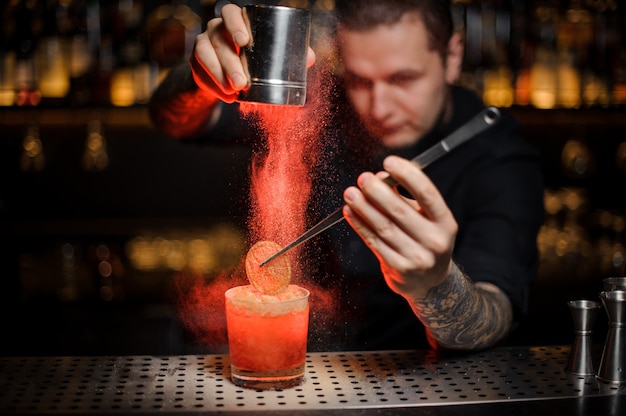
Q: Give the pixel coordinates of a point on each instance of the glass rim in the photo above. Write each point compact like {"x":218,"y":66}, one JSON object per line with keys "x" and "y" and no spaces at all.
{"x":614,"y":279}
{"x":268,"y":300}
{"x":584,"y":304}
{"x":613,"y":294}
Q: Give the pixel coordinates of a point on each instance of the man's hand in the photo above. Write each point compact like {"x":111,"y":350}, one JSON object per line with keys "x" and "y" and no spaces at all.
{"x":412,"y":239}
{"x":215,"y":62}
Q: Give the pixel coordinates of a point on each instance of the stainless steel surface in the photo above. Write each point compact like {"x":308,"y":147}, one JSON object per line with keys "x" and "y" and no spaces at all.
{"x":342,"y":380}
{"x":479,"y":123}
{"x":276,"y":58}
{"x":584,"y":314}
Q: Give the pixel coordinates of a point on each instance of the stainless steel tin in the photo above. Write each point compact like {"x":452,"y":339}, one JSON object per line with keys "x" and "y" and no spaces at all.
{"x":276,"y":58}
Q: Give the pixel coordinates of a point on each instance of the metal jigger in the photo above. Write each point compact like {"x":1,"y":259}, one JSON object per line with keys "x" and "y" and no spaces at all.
{"x":612,"y":368}
{"x":614,"y":283}
{"x":584,"y":313}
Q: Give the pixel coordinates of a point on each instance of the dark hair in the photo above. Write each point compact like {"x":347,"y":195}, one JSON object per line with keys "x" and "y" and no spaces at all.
{"x":360,"y":15}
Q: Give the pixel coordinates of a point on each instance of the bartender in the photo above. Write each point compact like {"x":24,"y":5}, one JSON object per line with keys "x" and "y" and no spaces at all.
{"x":449,"y":267}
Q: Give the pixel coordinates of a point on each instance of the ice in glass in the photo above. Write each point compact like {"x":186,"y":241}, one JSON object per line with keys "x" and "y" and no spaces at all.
{"x":267,"y":336}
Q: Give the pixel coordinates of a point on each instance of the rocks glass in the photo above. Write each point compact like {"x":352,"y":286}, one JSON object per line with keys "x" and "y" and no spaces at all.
{"x":267,"y":336}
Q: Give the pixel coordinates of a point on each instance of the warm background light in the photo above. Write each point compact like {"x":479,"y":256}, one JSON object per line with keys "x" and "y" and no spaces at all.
{"x":209,"y":251}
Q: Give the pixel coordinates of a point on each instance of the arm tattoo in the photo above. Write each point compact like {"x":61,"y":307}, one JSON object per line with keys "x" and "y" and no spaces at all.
{"x":460,"y":315}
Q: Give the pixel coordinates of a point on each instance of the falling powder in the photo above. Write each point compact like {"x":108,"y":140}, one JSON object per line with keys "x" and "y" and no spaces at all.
{"x":280,"y":187}
{"x":282,"y":173}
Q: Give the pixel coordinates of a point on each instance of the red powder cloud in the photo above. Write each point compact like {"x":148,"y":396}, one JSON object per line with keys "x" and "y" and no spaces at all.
{"x":201,"y":306}
{"x":281,"y":176}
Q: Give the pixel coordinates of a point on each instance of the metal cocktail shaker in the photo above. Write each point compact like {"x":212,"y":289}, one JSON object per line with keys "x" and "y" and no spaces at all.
{"x":276,"y":57}
{"x":613,"y":364}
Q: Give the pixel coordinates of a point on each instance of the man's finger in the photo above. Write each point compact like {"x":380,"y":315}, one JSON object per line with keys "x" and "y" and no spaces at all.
{"x":235,"y":24}
{"x":419,"y":185}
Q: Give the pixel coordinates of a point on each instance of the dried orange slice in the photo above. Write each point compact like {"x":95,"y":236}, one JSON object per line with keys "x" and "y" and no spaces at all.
{"x":272,"y":278}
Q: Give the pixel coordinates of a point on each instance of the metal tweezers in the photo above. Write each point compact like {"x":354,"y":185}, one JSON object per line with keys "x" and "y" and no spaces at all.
{"x":472,"y":128}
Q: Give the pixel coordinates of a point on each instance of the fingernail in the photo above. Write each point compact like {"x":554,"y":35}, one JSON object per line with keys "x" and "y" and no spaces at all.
{"x":238,"y":80}
{"x":364,"y":177}
{"x":390,"y":162}
{"x":240,"y":38}
{"x":350,"y":194}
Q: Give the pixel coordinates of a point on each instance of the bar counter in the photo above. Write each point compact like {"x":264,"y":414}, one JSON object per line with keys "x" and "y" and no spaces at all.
{"x":499,"y":381}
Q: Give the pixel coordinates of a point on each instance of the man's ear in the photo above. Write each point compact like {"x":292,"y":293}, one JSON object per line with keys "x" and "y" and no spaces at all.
{"x":454,"y":59}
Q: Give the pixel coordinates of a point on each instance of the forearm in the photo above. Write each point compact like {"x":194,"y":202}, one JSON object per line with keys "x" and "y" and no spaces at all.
{"x":179,"y":108}
{"x":461,"y":315}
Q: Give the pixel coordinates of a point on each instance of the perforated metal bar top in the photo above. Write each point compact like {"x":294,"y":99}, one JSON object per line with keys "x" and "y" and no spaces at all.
{"x":339,"y":380}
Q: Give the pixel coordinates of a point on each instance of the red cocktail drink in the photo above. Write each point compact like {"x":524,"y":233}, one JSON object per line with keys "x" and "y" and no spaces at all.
{"x":267,"y":336}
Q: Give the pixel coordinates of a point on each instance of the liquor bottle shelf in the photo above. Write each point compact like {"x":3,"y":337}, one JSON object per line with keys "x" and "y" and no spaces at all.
{"x":138,"y":117}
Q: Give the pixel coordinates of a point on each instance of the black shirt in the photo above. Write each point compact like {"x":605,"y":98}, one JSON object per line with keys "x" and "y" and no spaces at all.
{"x":493,"y":186}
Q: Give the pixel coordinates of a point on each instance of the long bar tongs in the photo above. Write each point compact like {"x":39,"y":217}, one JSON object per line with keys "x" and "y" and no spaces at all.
{"x":473,"y":127}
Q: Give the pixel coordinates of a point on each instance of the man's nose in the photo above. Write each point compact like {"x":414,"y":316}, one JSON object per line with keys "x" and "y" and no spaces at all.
{"x":380,"y":105}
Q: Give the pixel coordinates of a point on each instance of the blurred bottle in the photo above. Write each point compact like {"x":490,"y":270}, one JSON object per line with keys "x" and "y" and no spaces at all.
{"x":84,"y":44}
{"x":619,"y":80}
{"x":574,"y":33}
{"x":105,"y":63}
{"x":29,"y":19}
{"x":568,"y":79}
{"x":520,"y":52}
{"x":543,"y":72}
{"x":472,"y":28}
{"x":616,"y":51}
{"x":53,"y":53}
{"x":497,"y":75}
{"x":595,"y":63}
{"x":7,"y":53}
{"x":95,"y":156}
{"x":32,"y":158}
{"x":126,"y":78}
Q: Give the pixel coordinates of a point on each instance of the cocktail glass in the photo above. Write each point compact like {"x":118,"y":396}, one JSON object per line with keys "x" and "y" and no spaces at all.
{"x":267,"y":336}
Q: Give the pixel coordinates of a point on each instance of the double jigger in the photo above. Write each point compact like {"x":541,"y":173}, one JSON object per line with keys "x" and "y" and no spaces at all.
{"x":584,"y":313}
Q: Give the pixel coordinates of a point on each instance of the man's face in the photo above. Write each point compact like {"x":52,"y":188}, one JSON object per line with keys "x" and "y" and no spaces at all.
{"x":395,"y":82}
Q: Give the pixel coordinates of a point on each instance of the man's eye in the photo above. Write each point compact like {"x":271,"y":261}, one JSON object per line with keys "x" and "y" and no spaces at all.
{"x":402,"y":80}
{"x":355,"y":82}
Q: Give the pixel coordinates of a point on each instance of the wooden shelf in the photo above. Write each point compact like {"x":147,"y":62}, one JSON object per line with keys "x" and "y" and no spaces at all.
{"x":137,"y":116}
{"x":529,"y":116}
{"x":67,"y":116}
